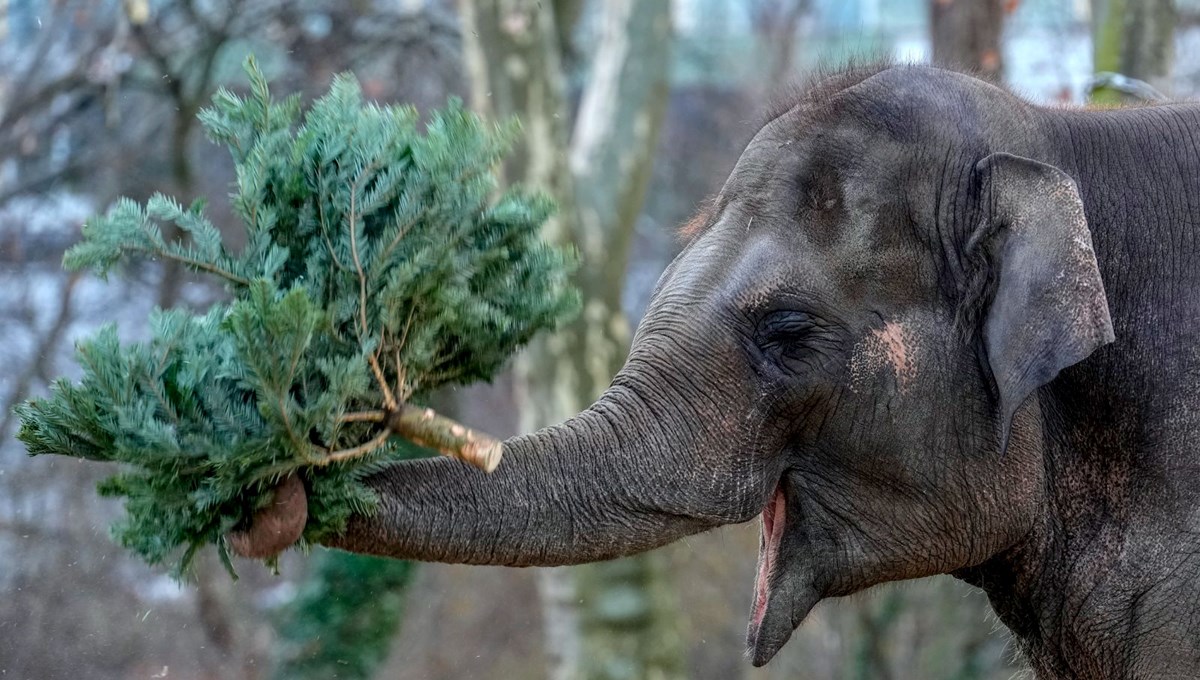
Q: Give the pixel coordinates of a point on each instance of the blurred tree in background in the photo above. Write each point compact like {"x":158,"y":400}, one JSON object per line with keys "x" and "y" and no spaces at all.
{"x":597,"y":167}
{"x":343,"y":619}
{"x":1134,"y":39}
{"x":966,"y":35}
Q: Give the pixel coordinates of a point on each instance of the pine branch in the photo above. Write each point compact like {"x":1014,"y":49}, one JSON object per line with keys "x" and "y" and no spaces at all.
{"x":205,"y":267}
{"x":313,"y":371}
{"x":389,"y":400}
{"x":359,"y":451}
{"x":363,"y":417}
{"x":362,"y":278}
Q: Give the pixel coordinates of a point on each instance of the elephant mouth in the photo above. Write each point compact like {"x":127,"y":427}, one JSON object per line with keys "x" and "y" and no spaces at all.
{"x":774,"y":515}
{"x":783,"y":596}
{"x":764,"y":638}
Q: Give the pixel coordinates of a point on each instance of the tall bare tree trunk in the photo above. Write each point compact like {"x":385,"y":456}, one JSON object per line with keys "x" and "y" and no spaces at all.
{"x":776,"y":25}
{"x":598,"y":171}
{"x":235,"y":650}
{"x":966,"y":35}
{"x":1136,"y":39}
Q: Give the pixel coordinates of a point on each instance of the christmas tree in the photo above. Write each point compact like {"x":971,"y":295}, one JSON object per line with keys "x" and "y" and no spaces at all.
{"x":380,"y":262}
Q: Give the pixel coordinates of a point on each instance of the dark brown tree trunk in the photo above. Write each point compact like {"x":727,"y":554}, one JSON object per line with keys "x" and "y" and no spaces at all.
{"x":966,"y":35}
{"x":183,"y":180}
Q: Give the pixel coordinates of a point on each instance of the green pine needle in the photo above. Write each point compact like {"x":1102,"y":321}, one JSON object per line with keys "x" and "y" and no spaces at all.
{"x":366,"y":239}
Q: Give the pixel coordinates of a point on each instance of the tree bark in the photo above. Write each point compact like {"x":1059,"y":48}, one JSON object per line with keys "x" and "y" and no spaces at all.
{"x":966,"y":35}
{"x":776,"y":24}
{"x":598,"y":172}
{"x":1136,"y":39}
{"x":216,"y":609}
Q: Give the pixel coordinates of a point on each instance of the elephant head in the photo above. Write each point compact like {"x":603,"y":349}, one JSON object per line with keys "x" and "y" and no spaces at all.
{"x":846,"y":346}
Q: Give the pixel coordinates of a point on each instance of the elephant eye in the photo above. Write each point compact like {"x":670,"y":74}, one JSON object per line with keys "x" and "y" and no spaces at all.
{"x":783,"y":329}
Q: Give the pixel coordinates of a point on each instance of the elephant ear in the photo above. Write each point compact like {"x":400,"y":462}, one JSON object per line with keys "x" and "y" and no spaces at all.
{"x":1048,"y":310}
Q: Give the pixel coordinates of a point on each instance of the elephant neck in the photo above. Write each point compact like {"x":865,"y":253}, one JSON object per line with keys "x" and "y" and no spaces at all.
{"x":1104,"y":584}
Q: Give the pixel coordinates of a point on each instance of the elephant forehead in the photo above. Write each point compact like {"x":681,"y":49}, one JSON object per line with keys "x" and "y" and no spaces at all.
{"x":766,"y":268}
{"x":859,"y":270}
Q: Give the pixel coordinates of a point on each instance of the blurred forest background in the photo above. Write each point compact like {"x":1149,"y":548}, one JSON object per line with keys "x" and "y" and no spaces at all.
{"x":634,"y":110}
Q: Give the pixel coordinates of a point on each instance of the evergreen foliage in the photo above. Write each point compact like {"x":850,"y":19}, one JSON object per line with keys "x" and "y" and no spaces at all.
{"x":342,"y":621}
{"x":379,"y":264}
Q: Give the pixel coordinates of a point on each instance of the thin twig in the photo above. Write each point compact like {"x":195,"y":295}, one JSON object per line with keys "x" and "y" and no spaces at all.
{"x":404,"y":333}
{"x":297,"y":352}
{"x":287,"y":424}
{"x":387,"y":251}
{"x":363,"y":417}
{"x":401,"y":388}
{"x":389,"y":399}
{"x":362,"y":277}
{"x":196,"y":264}
{"x":357,"y":452}
{"x":325,"y":223}
{"x":156,"y":379}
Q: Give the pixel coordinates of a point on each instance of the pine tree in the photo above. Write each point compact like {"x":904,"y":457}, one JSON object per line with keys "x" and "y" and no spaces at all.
{"x":381,"y":263}
{"x":344,"y":617}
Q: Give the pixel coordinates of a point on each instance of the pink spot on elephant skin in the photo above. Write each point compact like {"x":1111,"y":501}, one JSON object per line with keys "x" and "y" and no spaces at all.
{"x":889,"y":347}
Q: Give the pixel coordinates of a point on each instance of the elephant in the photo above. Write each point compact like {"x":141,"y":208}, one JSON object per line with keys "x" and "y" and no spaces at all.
{"x":925,"y":327}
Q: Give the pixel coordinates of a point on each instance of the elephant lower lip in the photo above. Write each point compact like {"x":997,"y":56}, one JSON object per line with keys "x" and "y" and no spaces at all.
{"x":774,"y":516}
{"x":784,"y":591}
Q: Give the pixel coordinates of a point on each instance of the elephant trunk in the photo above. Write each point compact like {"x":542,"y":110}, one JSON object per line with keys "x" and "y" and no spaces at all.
{"x":617,"y":479}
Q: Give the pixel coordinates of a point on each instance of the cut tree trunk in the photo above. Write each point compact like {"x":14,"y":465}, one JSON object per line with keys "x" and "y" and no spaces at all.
{"x":598,"y":171}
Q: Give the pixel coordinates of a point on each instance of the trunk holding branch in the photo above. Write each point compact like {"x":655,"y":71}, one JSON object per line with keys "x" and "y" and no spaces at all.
{"x":558,"y":499}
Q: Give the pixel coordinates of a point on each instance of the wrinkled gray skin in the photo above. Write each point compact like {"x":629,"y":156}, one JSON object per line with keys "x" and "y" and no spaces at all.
{"x":891,"y":332}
